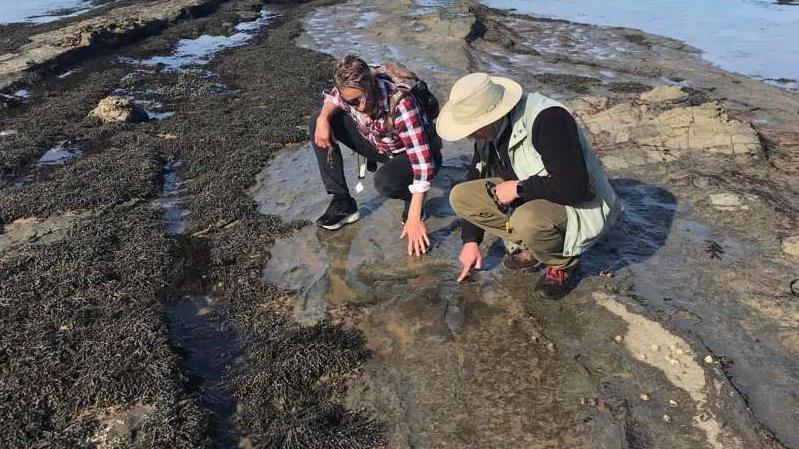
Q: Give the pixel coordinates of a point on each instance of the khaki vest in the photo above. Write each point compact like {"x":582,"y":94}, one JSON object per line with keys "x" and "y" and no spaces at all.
{"x":587,"y":221}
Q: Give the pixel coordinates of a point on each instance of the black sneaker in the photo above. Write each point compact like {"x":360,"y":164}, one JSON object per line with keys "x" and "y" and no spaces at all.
{"x":340,"y":212}
{"x":408,"y":208}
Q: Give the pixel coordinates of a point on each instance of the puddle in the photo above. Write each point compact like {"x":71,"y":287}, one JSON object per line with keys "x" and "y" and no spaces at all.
{"x":54,"y":157}
{"x":209,"y":352}
{"x":322,"y":265}
{"x":68,"y":73}
{"x":200,"y":51}
{"x":171,"y":200}
{"x":58,"y":156}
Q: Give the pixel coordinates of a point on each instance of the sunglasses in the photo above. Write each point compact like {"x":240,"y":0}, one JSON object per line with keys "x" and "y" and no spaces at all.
{"x":355,"y":102}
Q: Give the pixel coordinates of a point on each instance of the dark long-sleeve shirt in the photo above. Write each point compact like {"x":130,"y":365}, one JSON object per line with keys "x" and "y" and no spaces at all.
{"x":556,"y":139}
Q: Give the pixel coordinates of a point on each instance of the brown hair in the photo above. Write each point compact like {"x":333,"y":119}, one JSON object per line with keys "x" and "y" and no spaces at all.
{"x":354,"y":72}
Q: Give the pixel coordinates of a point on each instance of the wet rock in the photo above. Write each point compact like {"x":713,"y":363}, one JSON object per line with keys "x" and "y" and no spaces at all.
{"x":118,"y":109}
{"x":105,"y":31}
{"x":705,"y":127}
{"x":727,"y":202}
{"x":664,"y":94}
{"x":120,"y":426}
{"x":791,"y":245}
{"x":29,"y":230}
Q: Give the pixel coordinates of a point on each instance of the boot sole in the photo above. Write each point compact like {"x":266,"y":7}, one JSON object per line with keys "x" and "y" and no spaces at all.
{"x":347,"y":220}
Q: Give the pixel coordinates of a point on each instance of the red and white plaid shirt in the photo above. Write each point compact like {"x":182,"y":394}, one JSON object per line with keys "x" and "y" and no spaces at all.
{"x":408,"y":136}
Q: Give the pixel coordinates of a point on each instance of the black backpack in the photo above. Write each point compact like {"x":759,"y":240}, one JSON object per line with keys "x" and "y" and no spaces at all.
{"x":407,"y":83}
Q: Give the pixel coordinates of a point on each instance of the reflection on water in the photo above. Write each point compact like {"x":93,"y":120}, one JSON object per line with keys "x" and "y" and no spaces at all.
{"x":201,"y":50}
{"x":171,"y":200}
{"x":744,"y":36}
{"x":40,"y":11}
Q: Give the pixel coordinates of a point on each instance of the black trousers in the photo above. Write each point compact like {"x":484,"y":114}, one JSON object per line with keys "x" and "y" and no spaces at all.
{"x":391,"y":179}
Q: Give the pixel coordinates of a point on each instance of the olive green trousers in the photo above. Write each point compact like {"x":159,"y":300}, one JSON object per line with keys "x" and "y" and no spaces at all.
{"x":540,"y":225}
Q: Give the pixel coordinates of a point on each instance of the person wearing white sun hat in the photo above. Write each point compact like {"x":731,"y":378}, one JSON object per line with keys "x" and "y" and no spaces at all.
{"x":534,"y":180}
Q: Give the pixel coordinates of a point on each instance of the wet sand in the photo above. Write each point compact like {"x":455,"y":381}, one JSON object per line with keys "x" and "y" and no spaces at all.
{"x":166,"y":272}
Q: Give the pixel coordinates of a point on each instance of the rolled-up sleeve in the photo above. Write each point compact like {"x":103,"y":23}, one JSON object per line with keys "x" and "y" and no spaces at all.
{"x":409,"y":125}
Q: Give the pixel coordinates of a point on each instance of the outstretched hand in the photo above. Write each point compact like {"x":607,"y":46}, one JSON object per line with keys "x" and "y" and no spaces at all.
{"x":416,"y":232}
{"x":470,"y":258}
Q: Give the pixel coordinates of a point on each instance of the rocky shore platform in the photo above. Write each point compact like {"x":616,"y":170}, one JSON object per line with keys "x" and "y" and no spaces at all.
{"x":161,"y":285}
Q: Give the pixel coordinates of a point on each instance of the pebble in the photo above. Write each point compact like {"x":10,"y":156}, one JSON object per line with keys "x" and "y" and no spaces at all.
{"x":790,"y":245}
{"x":167,"y":136}
{"x":645,"y":397}
{"x":642,"y":356}
{"x":727,"y":202}
{"x":679,"y":351}
{"x":655,"y":348}
{"x":673,"y":403}
{"x":551,"y":347}
{"x":674,"y":361}
{"x":8,"y":132}
{"x":619,"y":338}
{"x":666,"y":418}
{"x":708,"y":359}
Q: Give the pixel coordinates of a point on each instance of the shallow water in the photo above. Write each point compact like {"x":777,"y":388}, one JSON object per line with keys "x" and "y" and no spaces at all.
{"x":201,"y":50}
{"x":209,"y":352}
{"x":40,"y":11}
{"x":171,"y":200}
{"x":753,"y":37}
{"x":54,"y":157}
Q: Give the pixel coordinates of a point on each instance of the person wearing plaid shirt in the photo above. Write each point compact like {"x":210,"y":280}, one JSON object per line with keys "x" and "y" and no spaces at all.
{"x":356,"y":112}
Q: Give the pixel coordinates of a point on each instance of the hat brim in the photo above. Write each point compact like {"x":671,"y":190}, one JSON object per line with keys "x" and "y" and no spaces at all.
{"x":451,"y":130}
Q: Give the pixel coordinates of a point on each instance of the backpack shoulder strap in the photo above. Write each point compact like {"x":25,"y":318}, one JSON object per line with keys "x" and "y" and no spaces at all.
{"x":393,"y":102}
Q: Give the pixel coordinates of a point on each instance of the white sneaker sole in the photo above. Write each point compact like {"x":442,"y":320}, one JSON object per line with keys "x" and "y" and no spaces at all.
{"x":350,"y":219}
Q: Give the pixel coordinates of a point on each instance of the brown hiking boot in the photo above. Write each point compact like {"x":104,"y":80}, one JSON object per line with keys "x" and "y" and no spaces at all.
{"x":520,"y":261}
{"x":555,"y":283}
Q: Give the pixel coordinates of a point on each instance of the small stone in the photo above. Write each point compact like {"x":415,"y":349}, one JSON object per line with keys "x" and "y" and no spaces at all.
{"x":673,"y":348}
{"x":655,"y":348}
{"x":551,"y":347}
{"x":619,"y":338}
{"x":791,"y":245}
{"x":642,"y":356}
{"x":673,"y":403}
{"x":167,"y":136}
{"x":8,"y":132}
{"x":666,"y":418}
{"x":708,"y":359}
{"x":645,"y":397}
{"x":727,"y":202}
{"x":679,"y":351}
{"x":119,"y":109}
{"x":674,"y":361}
{"x":664,"y":94}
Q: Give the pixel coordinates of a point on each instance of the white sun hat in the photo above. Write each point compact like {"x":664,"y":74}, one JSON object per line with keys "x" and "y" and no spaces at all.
{"x":476,"y":100}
